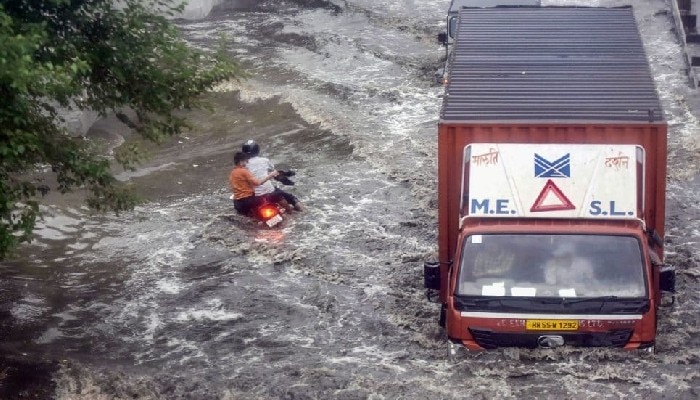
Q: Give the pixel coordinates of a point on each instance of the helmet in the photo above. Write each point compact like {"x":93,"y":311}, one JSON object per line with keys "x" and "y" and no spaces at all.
{"x":251,"y":148}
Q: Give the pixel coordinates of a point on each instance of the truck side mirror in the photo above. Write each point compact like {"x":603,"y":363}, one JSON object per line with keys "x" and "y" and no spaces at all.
{"x":655,"y":238}
{"x":431,"y":275}
{"x":442,"y":38}
{"x":667,"y":279}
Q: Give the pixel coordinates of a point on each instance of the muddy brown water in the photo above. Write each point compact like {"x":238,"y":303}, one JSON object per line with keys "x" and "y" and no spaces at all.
{"x":183,"y":299}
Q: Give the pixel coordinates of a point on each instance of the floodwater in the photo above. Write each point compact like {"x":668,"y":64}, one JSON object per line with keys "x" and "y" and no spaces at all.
{"x":183,"y":299}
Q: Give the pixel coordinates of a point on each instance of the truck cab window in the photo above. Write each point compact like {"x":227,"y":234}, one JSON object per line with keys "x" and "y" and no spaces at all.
{"x":551,"y":266}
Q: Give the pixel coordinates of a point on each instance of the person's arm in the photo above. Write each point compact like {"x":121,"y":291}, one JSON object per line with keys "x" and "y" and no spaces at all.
{"x":269,"y":176}
{"x":256,"y":182}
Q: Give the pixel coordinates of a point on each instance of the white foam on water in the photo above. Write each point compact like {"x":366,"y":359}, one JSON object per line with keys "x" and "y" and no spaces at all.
{"x":183,"y":350}
{"x":302,"y":341}
{"x":419,"y":10}
{"x":26,"y":312}
{"x":169,"y":285}
{"x":50,"y":335}
{"x":208,"y":315}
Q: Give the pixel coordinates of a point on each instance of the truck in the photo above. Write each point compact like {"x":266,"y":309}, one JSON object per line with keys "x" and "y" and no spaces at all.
{"x":447,"y":38}
{"x":551,"y":183}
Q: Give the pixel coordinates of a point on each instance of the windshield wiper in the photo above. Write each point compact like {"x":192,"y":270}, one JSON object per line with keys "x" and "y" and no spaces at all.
{"x":592,"y":304}
{"x":481,"y":300}
{"x":491,"y":302}
{"x":569,"y":300}
{"x":603,"y":299}
{"x":611,"y":303}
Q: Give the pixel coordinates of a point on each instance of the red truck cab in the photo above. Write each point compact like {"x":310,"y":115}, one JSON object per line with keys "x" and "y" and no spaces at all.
{"x":551,"y":186}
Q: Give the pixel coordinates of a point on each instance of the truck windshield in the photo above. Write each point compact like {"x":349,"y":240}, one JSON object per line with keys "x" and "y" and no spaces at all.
{"x":551,"y":266}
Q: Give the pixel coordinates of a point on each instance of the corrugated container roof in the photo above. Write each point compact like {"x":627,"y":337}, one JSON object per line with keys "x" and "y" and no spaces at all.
{"x":549,"y":64}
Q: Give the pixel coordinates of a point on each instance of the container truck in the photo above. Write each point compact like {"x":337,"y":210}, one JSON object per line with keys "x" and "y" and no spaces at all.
{"x":551,"y":183}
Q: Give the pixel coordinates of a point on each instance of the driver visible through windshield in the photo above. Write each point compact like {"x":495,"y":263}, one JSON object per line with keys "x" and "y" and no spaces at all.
{"x":551,"y":266}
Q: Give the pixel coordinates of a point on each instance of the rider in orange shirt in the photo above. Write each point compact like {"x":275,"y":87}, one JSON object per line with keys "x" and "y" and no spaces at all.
{"x":243,"y":185}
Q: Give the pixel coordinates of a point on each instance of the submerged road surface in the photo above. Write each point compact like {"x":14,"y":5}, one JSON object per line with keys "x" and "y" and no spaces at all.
{"x":183,"y":299}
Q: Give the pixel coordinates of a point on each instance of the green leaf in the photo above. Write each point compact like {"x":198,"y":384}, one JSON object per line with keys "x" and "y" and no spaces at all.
{"x":98,"y":56}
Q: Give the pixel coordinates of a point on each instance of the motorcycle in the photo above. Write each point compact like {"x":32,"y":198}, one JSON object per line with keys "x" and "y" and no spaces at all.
{"x":267,"y":213}
{"x":270,"y":213}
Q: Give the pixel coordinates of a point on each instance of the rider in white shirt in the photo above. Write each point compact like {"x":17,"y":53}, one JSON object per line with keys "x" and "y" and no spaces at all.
{"x":261,"y":167}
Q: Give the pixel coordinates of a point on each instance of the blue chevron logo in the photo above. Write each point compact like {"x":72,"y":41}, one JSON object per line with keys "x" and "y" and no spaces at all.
{"x":560,"y":168}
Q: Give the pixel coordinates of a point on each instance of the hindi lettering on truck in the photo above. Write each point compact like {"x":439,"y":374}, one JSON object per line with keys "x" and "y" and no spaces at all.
{"x":551,"y":186}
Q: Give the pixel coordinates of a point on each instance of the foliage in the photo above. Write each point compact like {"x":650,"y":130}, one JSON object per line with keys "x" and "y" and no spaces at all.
{"x":101,"y":55}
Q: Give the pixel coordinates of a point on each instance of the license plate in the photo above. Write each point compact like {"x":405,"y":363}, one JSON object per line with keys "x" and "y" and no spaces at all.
{"x":273,"y":221}
{"x":551,"y":325}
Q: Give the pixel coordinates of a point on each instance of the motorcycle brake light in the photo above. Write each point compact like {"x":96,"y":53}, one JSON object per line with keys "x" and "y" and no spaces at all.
{"x":267,"y":212}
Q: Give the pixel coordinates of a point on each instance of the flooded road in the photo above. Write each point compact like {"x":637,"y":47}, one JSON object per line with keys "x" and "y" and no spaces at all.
{"x":183,"y":299}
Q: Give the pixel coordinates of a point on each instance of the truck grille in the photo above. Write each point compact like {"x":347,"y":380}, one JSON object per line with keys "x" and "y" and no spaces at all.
{"x":490,"y":340}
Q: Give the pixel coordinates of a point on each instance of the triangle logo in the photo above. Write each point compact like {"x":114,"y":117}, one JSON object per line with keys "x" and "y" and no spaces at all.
{"x":551,"y":198}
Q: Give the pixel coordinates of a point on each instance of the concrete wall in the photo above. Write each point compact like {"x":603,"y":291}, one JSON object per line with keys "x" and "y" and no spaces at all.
{"x":685,"y":14}
{"x":197,"y":9}
{"x":77,"y":122}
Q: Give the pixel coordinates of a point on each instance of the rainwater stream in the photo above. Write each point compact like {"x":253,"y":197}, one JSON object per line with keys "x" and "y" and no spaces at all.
{"x":183,"y":299}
